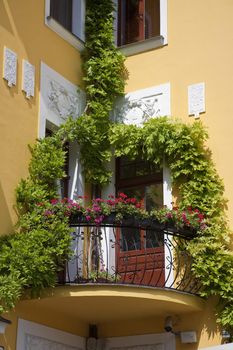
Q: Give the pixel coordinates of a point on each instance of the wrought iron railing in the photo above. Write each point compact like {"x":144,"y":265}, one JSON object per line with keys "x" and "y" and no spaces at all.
{"x":131,"y":255}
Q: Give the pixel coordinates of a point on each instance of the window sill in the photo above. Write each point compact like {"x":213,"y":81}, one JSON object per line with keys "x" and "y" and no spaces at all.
{"x":142,"y":46}
{"x":64,"y":33}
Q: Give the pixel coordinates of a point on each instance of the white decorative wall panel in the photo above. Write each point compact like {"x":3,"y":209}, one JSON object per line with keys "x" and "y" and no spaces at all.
{"x":10,"y":66}
{"x":138,"y":107}
{"x":59,"y":98}
{"x":38,"y":343}
{"x":28,"y":83}
{"x":34,"y":336}
{"x":196,"y":99}
{"x":161,"y":341}
{"x":62,"y":101}
{"x":142,"y":347}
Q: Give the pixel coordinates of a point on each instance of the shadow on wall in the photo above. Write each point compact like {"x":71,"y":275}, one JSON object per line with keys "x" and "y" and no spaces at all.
{"x":204,"y":323}
{"x":6,"y":223}
{"x":5,"y":21}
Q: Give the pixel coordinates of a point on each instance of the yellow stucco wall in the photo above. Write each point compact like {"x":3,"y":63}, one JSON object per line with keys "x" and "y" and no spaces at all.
{"x":199,"y":50}
{"x":114,"y":316}
{"x":23,"y":30}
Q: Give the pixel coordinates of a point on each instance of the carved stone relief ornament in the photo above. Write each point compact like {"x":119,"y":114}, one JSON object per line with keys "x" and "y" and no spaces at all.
{"x":61,"y":101}
{"x":28,"y":84}
{"x":10,"y":66}
{"x":138,"y":111}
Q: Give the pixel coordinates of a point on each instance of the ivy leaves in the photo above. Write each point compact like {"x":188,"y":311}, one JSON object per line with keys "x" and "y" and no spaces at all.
{"x":193,"y":173}
{"x":104,"y":77}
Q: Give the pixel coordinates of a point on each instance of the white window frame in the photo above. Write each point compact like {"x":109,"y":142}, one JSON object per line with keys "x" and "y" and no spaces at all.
{"x":152,"y":43}
{"x":79,"y":22}
{"x":78,"y":25}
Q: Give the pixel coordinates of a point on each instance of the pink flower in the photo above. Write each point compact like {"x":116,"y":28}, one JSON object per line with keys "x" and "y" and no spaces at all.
{"x":54,"y":201}
{"x":48,"y":212}
{"x":96,"y":208}
{"x":88,"y":217}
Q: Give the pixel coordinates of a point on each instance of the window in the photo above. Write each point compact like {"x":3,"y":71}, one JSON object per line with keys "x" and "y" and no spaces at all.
{"x":138,"y":20}
{"x":141,"y":25}
{"x":66,"y":18}
{"x":61,"y":11}
{"x":144,"y":181}
{"x":143,"y":22}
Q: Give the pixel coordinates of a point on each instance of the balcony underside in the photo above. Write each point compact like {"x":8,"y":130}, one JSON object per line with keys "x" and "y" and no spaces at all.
{"x":96,"y":304}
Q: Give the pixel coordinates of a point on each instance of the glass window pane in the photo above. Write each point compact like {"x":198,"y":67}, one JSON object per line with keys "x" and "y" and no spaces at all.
{"x":153,"y":239}
{"x":136,"y":168}
{"x":152,"y":18}
{"x":131,"y":21}
{"x":154,"y":196}
{"x":61,"y":11}
{"x":130,"y":239}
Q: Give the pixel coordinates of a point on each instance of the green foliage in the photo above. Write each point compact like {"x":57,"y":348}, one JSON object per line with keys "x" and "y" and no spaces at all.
{"x":48,"y":157}
{"x":182,"y":148}
{"x":104,"y":76}
{"x":10,"y":290}
{"x":45,"y":169}
{"x":32,"y":257}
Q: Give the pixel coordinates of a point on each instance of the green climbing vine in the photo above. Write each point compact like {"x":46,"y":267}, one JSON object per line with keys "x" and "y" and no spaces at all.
{"x":33,"y":254}
{"x":183,"y":147}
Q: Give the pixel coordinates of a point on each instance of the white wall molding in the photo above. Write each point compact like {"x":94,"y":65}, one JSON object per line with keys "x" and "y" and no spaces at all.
{"x":59,"y":98}
{"x":34,"y":336}
{"x":28,"y":81}
{"x":142,"y":105}
{"x":161,"y":341}
{"x":10,"y":67}
{"x":219,"y":347}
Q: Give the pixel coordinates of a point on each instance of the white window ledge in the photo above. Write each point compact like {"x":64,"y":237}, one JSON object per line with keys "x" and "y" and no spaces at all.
{"x":142,"y":46}
{"x":64,"y":33}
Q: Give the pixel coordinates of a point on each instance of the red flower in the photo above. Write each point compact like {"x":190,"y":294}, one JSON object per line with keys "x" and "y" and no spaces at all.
{"x":122,"y":195}
{"x":133,"y":200}
{"x":201,"y":216}
{"x":54,"y":201}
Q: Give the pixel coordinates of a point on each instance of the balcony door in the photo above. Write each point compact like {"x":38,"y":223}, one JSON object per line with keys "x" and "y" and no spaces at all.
{"x":140,"y":252}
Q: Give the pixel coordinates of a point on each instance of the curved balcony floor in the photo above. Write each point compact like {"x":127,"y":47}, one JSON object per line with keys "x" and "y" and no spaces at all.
{"x":95,"y":304}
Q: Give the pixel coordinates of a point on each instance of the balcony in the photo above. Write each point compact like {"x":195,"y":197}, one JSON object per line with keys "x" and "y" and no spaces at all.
{"x":122,"y":275}
{"x":130,"y":254}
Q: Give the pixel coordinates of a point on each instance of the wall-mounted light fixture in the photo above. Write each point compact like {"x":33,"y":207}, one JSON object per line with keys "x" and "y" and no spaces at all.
{"x":3,"y":324}
{"x":185,"y":337}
